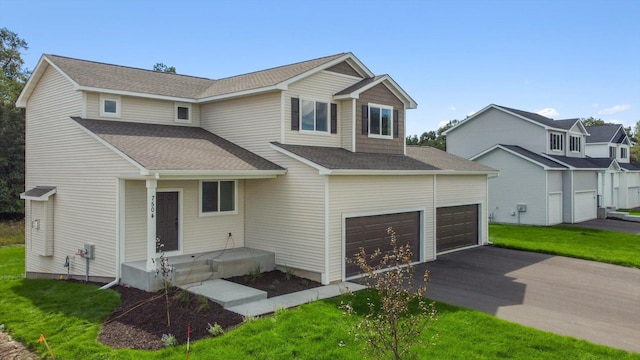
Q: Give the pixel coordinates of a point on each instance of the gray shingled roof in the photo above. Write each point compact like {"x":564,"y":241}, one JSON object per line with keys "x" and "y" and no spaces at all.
{"x":558,"y":124}
{"x":169,"y":147}
{"x":533,"y":156}
{"x":584,"y":163}
{"x":601,"y":133}
{"x":38,"y":191}
{"x":631,"y":166}
{"x":115,"y":77}
{"x":342,"y":159}
{"x":360,"y":84}
{"x":444,"y":160}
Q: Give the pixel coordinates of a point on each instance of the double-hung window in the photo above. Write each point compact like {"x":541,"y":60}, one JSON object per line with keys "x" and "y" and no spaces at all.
{"x":218,"y":197}
{"x":556,"y":142}
{"x":612,"y":152}
{"x":380,"y":121}
{"x":623,"y":153}
{"x":314,"y":115}
{"x":575,"y":143}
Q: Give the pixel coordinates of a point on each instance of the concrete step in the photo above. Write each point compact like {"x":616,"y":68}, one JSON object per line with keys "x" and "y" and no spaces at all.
{"x":188,"y":275}
{"x":226,"y":293}
{"x":242,"y":261}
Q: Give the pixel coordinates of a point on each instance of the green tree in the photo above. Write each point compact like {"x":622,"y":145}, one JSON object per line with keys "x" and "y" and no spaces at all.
{"x":591,"y":121}
{"x":634,"y":136}
{"x":432,"y":138}
{"x":161,"y":67}
{"x":12,"y":79}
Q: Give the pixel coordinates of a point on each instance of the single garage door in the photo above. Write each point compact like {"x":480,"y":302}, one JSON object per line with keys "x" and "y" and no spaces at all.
{"x":585,"y":206}
{"x":633,"y":197}
{"x":456,"y":227}
{"x":370,"y":233}
{"x":555,"y":208}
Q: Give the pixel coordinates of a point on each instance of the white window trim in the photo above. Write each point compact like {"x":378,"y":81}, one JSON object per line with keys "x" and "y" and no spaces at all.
{"x":315,"y":132}
{"x":378,"y":136}
{"x":624,"y":151}
{"x":579,"y":140}
{"x":117,"y":99}
{"x":218,"y":213}
{"x":560,"y":142}
{"x":183,"y":121}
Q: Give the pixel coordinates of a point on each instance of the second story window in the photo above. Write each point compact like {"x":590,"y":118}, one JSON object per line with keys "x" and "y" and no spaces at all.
{"x":109,"y":105}
{"x":575,"y":143}
{"x":612,"y":152}
{"x":380,"y":121}
{"x":183,"y":113}
{"x":314,"y":115}
{"x":623,"y":153}
{"x":556,"y":142}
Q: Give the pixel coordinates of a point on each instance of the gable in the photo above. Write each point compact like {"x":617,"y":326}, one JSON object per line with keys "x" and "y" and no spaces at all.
{"x":345,"y":69}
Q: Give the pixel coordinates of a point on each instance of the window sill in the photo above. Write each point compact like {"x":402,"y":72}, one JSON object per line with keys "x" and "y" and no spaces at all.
{"x":218,"y":213}
{"x":311,"y":132}
{"x":385,"y":137}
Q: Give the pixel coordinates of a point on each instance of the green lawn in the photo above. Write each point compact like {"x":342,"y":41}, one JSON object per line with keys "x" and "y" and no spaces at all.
{"x":11,"y":233}
{"x":599,"y":245}
{"x":631,"y":212}
{"x":70,"y":314}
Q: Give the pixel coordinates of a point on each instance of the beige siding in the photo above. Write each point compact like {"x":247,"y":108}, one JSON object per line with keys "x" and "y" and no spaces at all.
{"x":59,"y":153}
{"x":199,"y":234}
{"x":319,"y":87}
{"x":453,"y":190}
{"x":142,"y":110}
{"x":286,"y":215}
{"x":251,"y":122}
{"x":380,"y":95}
{"x":349,"y":195}
{"x":346,"y":126}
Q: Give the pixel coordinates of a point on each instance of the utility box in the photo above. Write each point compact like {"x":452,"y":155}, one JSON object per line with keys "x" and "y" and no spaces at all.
{"x":521,"y":207}
{"x":89,"y":251}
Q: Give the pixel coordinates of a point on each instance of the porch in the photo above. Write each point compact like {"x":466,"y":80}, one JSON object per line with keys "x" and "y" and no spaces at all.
{"x":199,"y":267}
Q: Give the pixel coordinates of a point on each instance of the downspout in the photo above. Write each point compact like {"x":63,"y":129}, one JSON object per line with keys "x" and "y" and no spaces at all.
{"x":119,"y":228}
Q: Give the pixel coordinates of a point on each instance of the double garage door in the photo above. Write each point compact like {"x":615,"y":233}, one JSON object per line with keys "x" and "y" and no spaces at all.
{"x":456,"y":227}
{"x":370,"y":233}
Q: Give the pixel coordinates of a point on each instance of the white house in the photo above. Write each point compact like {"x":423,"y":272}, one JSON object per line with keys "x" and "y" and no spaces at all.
{"x":299,"y":165}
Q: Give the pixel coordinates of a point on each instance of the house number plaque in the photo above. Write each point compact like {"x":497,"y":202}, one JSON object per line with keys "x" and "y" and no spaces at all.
{"x":153,"y":206}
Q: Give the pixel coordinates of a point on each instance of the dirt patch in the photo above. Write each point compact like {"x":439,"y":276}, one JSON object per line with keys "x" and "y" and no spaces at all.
{"x":141,"y":320}
{"x":13,"y":350}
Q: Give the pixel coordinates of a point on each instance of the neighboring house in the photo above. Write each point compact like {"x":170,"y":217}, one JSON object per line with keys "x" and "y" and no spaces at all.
{"x":546,"y":176}
{"x":620,"y":189}
{"x":306,"y":162}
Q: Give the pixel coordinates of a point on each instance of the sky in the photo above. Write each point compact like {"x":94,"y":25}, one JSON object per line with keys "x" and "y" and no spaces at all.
{"x":560,"y":58}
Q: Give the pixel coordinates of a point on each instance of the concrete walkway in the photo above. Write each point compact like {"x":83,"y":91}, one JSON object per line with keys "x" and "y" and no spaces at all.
{"x":247,"y":301}
{"x":584,"y":299}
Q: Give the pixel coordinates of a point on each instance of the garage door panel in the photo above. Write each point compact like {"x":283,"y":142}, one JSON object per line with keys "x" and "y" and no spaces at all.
{"x":457,"y":226}
{"x":370,"y":233}
{"x":585,"y":206}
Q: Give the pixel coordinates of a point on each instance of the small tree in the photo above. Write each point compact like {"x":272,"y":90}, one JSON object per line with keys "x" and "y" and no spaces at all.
{"x":164,"y":270}
{"x":394,"y":324}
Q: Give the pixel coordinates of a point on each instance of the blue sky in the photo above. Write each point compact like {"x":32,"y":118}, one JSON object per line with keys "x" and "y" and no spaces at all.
{"x":563,"y":58}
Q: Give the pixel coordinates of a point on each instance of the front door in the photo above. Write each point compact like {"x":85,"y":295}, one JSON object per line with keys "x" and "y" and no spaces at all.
{"x":167,"y":221}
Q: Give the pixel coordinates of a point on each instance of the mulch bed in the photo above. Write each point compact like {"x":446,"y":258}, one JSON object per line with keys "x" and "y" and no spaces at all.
{"x":141,"y":320}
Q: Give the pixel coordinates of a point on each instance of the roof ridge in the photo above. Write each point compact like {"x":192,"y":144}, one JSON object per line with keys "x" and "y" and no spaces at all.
{"x":129,"y":67}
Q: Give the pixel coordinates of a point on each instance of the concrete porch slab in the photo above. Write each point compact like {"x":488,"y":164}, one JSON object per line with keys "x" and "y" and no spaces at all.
{"x":226,"y":293}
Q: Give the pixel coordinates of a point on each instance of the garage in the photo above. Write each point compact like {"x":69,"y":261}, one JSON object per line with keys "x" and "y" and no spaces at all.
{"x":456,"y":227}
{"x":370,"y":233}
{"x":585,"y":206}
{"x":555,"y":208}
{"x":633,"y":197}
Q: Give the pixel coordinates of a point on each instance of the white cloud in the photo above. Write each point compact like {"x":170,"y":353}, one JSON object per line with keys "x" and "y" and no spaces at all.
{"x":443,"y":123}
{"x":614,"y":109}
{"x":452,"y":108}
{"x":548,"y":112}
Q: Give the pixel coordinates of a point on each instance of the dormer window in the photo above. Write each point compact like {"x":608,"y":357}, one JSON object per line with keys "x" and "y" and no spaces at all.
{"x":575,"y":143}
{"x":183,"y":113}
{"x":380,"y":121}
{"x":556,"y":142}
{"x":109,"y":105}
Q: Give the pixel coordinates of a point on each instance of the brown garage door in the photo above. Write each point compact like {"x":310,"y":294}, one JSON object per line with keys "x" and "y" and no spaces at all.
{"x":456,"y":226}
{"x":370,"y":232}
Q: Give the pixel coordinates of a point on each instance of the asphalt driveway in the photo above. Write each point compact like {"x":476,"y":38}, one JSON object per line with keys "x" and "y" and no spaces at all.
{"x":629,"y":227}
{"x":584,"y":299}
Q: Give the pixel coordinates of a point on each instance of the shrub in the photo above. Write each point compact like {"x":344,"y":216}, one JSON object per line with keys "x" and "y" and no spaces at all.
{"x":215,"y":329}
{"x":392,"y":324}
{"x":168,"y":340}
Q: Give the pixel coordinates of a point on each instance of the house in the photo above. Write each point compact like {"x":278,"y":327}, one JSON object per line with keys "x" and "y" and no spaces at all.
{"x":621,"y":189}
{"x":300,"y":165}
{"x":546,"y":174}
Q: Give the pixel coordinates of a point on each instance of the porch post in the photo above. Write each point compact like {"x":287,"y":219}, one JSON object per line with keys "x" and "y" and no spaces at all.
{"x":151,"y":223}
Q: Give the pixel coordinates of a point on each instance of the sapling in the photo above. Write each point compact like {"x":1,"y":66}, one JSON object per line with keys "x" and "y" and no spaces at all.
{"x":164,"y":270}
{"x":393,"y":324}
